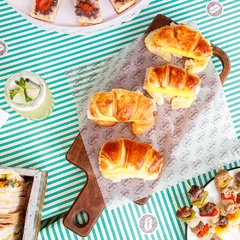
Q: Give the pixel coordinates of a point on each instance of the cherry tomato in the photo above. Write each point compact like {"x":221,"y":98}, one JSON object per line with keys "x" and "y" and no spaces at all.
{"x":87,"y":7}
{"x":43,"y":5}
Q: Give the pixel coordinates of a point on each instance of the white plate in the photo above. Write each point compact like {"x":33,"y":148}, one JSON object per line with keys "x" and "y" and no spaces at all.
{"x":234,"y":232}
{"x":66,"y":19}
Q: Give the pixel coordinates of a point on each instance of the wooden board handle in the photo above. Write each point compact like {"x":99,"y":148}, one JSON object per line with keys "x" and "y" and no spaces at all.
{"x":226,"y":63}
{"x":90,"y":199}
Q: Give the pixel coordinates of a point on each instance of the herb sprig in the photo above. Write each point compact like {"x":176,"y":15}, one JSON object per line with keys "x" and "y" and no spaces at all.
{"x":21,"y":84}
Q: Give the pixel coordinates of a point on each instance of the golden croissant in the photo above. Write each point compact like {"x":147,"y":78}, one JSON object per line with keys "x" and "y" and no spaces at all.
{"x":126,"y":158}
{"x":119,"y":105}
{"x":172,"y":83}
{"x":180,"y":40}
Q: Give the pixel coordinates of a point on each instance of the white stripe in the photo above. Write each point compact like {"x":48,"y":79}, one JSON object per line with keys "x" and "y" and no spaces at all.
{"x":120,"y":224}
{"x":131,"y":217}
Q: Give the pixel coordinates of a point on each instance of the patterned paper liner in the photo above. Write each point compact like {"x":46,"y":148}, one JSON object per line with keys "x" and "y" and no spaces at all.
{"x":193,"y":140}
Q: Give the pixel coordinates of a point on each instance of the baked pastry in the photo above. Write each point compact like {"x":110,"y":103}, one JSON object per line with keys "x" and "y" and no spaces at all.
{"x":88,"y":12}
{"x":126,"y":158}
{"x":172,"y":83}
{"x":122,"y":5}
{"x":120,"y":105}
{"x":45,"y":9}
{"x":183,"y":41}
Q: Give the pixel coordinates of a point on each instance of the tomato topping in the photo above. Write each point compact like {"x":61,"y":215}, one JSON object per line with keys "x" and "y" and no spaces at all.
{"x":238,"y":200}
{"x":87,"y":7}
{"x":43,"y":5}
{"x":232,"y":197}
{"x":212,"y":214}
{"x":204,"y":231}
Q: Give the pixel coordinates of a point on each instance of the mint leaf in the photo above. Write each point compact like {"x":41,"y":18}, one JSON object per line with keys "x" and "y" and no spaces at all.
{"x":13,"y":93}
{"x":11,"y":183}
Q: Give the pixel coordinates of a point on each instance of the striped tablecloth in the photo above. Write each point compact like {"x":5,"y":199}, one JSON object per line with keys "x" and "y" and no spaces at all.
{"x":43,"y":144}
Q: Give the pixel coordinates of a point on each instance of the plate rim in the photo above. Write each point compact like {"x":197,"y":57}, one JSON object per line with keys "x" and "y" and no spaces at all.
{"x":117,"y":21}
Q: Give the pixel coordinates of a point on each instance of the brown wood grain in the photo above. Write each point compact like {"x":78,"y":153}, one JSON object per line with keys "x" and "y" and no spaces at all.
{"x":90,"y":199}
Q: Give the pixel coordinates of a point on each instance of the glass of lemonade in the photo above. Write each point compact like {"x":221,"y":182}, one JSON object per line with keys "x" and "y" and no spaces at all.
{"x":28,"y":94}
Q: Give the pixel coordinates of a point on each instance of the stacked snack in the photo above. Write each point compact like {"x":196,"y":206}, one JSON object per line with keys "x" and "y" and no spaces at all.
{"x":180,"y":40}
{"x":12,"y":204}
{"x":173,"y":84}
{"x":126,"y":158}
{"x":120,"y":105}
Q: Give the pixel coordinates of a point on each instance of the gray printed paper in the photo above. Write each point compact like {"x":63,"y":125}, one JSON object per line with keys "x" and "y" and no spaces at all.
{"x":193,"y":141}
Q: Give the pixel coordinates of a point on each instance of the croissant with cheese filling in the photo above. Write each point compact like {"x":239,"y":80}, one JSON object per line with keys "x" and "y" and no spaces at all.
{"x":183,"y":41}
{"x":126,"y":158}
{"x":119,"y":105}
{"x":172,"y":83}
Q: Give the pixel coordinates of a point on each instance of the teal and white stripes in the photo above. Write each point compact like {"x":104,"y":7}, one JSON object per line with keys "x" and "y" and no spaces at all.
{"x":44,"y":144}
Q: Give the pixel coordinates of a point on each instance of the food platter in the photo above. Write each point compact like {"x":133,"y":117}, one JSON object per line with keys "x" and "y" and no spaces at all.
{"x":66,"y":20}
{"x":86,"y":202}
{"x":233,"y":233}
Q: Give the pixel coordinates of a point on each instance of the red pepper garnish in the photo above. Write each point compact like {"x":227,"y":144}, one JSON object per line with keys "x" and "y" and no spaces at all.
{"x":87,"y":7}
{"x":232,"y":197}
{"x":237,"y":200}
{"x":212,"y":214}
{"x":203,"y":231}
{"x":43,"y":5}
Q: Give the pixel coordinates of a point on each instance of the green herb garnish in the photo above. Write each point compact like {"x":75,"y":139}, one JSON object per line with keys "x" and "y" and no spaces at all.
{"x":21,"y":84}
{"x":11,"y":183}
{"x":14,"y":92}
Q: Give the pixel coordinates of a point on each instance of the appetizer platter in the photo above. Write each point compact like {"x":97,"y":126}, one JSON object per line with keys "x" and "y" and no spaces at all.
{"x":21,"y":200}
{"x":115,"y":161}
{"x":78,"y":16}
{"x":215,"y":210}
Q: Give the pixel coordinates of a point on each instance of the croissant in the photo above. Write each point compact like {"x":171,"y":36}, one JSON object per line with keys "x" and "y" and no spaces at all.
{"x":180,"y":40}
{"x":172,"y":83}
{"x":119,"y":105}
{"x":126,"y":158}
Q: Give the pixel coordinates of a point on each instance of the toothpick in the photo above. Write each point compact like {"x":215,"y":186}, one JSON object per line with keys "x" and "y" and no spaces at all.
{"x":220,"y":167}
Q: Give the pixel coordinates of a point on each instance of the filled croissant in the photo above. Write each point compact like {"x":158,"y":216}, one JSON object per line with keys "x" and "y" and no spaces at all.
{"x":126,"y":158}
{"x":172,"y":83}
{"x":119,"y":105}
{"x":183,"y":41}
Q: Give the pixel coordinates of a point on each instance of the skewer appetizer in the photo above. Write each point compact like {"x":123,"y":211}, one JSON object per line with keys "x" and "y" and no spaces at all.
{"x":210,"y":212}
{"x":222,"y":179}
{"x":222,"y":225}
{"x":199,"y":229}
{"x":227,"y":195}
{"x":232,"y":212}
{"x":198,"y":196}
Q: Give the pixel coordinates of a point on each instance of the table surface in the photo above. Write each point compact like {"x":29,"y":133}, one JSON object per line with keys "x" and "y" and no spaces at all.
{"x":43,"y":144}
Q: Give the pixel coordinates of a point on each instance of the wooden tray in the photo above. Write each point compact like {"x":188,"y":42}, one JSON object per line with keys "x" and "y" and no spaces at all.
{"x":90,"y":199}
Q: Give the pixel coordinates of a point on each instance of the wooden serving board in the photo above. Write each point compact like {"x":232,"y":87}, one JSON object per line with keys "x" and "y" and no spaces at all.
{"x":90,"y":199}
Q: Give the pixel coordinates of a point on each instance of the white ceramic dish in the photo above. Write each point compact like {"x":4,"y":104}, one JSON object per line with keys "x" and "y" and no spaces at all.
{"x":234,"y":231}
{"x":66,"y":19}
